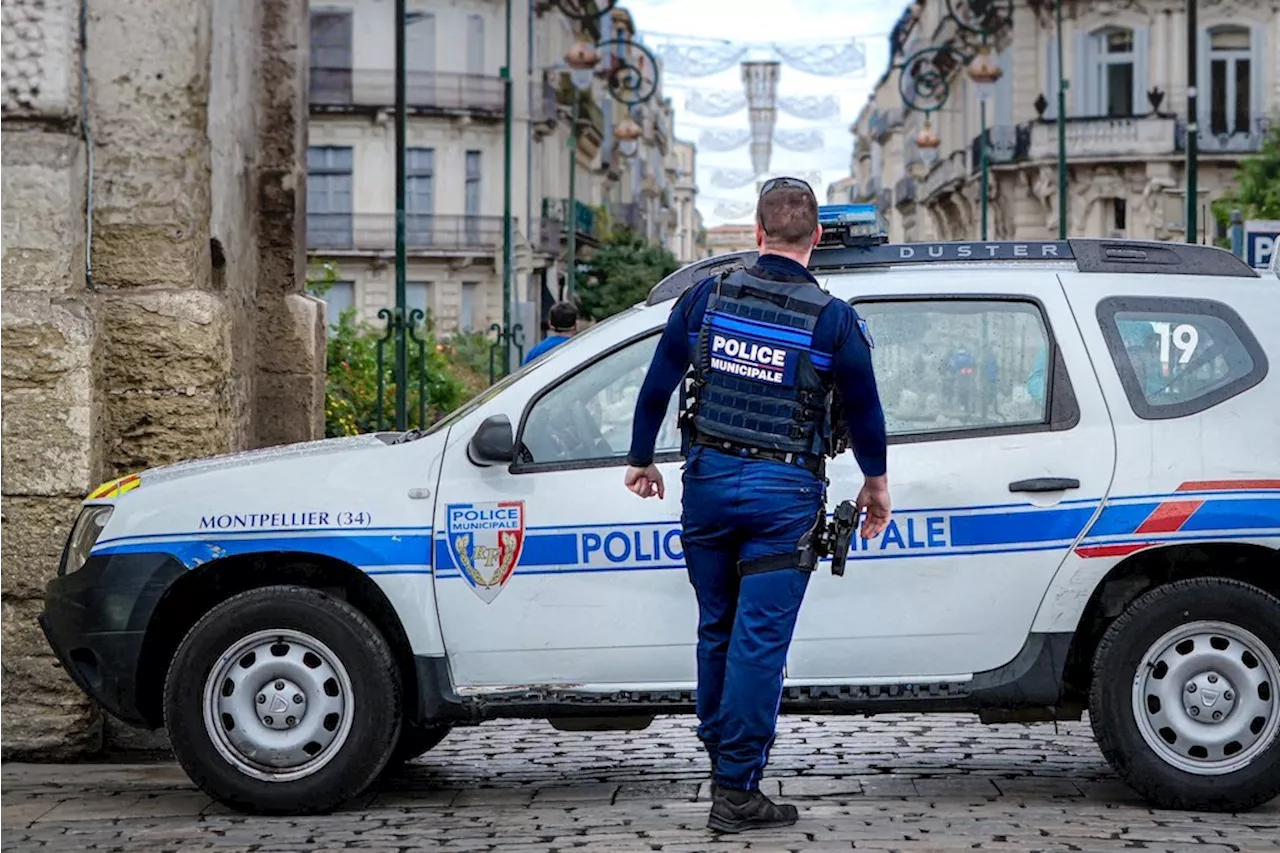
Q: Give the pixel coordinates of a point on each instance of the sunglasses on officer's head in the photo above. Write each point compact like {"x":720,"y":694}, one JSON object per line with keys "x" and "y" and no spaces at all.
{"x":784,"y":183}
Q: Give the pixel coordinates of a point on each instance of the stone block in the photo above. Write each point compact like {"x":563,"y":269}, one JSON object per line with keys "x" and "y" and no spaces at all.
{"x":35,"y":530}
{"x":282,"y":206}
{"x":45,"y":342}
{"x":166,"y":341}
{"x":174,"y":255}
{"x":41,"y":56}
{"x":47,"y":447}
{"x":290,"y":408}
{"x":292,"y":335}
{"x":44,"y":716}
{"x":43,"y":189}
{"x":285,"y":35}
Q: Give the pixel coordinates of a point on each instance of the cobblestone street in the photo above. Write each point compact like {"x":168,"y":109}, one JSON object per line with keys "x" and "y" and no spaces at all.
{"x":903,"y":783}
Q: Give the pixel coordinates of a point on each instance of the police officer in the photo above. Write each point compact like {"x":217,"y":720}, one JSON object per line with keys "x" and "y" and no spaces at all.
{"x":767,"y":347}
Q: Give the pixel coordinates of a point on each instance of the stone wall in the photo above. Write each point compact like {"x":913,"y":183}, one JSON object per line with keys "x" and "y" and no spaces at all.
{"x":192,"y":336}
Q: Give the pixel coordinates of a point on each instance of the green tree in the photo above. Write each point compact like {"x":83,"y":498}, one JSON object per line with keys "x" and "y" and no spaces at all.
{"x":351,"y":373}
{"x":625,"y":268}
{"x":1257,"y":192}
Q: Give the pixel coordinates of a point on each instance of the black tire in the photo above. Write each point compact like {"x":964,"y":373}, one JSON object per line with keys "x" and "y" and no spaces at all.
{"x":415,"y":740}
{"x":1116,"y":666}
{"x":374,"y":689}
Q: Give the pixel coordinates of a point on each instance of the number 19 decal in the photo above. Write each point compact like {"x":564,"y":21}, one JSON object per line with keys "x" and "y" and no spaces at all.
{"x":1184,"y":336}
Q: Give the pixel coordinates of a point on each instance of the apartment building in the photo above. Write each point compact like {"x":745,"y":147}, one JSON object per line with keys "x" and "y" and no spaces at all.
{"x":687,"y":241}
{"x":1126,"y":108}
{"x":455,"y":50}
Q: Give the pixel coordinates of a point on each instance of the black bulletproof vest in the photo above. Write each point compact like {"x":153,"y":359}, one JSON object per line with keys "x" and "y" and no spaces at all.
{"x":755,"y":379}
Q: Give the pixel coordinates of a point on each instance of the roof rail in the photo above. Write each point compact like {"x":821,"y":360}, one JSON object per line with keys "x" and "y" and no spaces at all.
{"x":1087,"y":255}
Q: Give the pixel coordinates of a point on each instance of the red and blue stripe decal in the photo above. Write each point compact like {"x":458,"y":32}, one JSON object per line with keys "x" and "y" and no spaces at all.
{"x":1196,"y":510}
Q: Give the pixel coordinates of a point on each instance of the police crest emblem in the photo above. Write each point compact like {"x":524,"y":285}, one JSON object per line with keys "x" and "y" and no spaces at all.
{"x":485,"y":541}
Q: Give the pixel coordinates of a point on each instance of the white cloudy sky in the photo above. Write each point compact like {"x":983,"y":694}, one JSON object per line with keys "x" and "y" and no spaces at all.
{"x":758,"y":22}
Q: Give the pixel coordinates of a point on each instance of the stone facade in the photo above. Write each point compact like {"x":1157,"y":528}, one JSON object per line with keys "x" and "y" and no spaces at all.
{"x":183,"y":330}
{"x":1125,"y":62}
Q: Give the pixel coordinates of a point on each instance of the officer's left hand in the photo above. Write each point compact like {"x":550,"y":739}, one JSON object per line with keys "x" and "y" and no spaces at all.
{"x":645,"y":482}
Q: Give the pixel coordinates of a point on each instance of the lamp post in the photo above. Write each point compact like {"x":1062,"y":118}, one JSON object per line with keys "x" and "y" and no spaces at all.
{"x":1062,"y":128}
{"x":924,"y":79}
{"x":1193,"y":129}
{"x":628,"y":84}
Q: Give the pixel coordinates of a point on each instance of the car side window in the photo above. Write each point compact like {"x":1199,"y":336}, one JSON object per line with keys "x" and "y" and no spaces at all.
{"x":971,"y":366}
{"x":1176,"y":357}
{"x":585,"y":420}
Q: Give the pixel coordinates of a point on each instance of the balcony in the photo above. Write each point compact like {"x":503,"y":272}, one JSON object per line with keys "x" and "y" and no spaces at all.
{"x":425,"y":234}
{"x":944,"y":177}
{"x":1237,"y":142}
{"x":630,"y":214}
{"x":590,"y":117}
{"x":347,"y":90}
{"x":586,"y":220}
{"x":904,"y":192}
{"x":1005,"y":144}
{"x":1099,"y":137}
{"x":543,"y":105}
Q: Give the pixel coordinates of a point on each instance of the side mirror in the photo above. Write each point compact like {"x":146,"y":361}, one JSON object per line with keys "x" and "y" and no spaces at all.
{"x":494,"y":443}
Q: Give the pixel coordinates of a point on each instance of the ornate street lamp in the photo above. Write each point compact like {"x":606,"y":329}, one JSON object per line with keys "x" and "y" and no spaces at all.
{"x":631,"y":75}
{"x":924,"y":77}
{"x":628,"y":134}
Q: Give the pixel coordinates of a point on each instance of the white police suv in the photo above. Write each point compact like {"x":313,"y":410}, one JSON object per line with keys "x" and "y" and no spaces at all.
{"x":1085,"y":467}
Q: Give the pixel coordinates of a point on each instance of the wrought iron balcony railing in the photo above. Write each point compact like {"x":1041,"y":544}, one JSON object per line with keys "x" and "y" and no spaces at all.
{"x":343,"y":89}
{"x":424,"y":232}
{"x":585,"y":219}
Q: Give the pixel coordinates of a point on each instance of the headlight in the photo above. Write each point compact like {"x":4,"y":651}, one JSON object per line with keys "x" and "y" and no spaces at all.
{"x":83,"y":536}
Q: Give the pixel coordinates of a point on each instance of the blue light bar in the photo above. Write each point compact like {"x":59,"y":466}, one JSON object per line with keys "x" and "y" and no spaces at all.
{"x":847,"y":214}
{"x":851,"y":224}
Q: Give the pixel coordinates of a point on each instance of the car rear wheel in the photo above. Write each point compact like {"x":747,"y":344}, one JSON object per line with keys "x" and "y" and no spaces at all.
{"x":283,"y":700}
{"x":1185,"y":701}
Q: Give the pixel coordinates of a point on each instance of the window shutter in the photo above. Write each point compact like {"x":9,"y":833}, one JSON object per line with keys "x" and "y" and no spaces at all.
{"x":1084,"y":79}
{"x":475,"y":44}
{"x":420,"y":44}
{"x":1004,"y":89}
{"x":1051,"y":78}
{"x":1258,"y":57}
{"x":1141,"y":69}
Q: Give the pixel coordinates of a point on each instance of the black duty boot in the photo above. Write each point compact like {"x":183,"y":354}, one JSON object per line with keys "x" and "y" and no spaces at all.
{"x":739,"y":811}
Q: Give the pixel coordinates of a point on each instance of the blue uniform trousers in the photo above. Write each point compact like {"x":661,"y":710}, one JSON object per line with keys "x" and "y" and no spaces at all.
{"x":739,"y":509}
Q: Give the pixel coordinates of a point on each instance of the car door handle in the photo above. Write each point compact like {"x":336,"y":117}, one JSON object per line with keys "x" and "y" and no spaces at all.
{"x":1044,"y":484}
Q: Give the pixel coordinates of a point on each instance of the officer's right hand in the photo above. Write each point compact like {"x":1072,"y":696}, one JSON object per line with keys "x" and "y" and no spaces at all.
{"x":874,"y":498}
{"x":645,"y":482}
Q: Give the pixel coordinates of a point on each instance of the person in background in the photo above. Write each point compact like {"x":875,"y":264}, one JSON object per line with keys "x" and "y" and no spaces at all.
{"x":562,"y":322}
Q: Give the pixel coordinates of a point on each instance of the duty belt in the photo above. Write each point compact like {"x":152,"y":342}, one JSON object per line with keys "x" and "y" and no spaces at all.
{"x":811,"y":462}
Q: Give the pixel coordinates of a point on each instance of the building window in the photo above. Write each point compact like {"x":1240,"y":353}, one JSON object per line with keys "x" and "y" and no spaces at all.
{"x":331,"y":57}
{"x":1230,"y":79}
{"x":473,"y":198}
{"x":418,"y":296}
{"x":1113,"y":72}
{"x":339,"y":297}
{"x":329,"y":198}
{"x":1119,"y":216}
{"x":467,"y":307}
{"x":419,"y":197}
{"x":475,"y":44}
{"x":1177,"y":357}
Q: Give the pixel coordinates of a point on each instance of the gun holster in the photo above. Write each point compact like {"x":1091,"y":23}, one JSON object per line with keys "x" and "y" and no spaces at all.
{"x":823,"y":539}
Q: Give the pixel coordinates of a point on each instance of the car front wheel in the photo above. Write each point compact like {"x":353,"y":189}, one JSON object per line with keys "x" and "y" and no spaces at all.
{"x":283,"y":700}
{"x":1185,"y":702}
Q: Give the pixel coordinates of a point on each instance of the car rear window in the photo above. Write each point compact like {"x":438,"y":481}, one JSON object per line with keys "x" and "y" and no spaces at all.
{"x":1177,"y":357}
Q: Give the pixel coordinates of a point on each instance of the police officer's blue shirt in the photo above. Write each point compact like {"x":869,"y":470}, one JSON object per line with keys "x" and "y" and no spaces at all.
{"x":545,"y":345}
{"x":836,"y":332}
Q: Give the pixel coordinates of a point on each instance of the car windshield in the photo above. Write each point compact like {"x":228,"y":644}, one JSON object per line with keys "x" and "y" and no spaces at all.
{"x":498,"y":387}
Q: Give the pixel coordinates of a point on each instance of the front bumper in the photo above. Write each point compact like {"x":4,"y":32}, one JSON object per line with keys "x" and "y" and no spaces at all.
{"x":96,"y":622}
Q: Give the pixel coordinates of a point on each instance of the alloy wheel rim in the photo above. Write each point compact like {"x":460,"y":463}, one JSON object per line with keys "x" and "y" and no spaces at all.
{"x":278,"y":705}
{"x":1204,"y":697}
